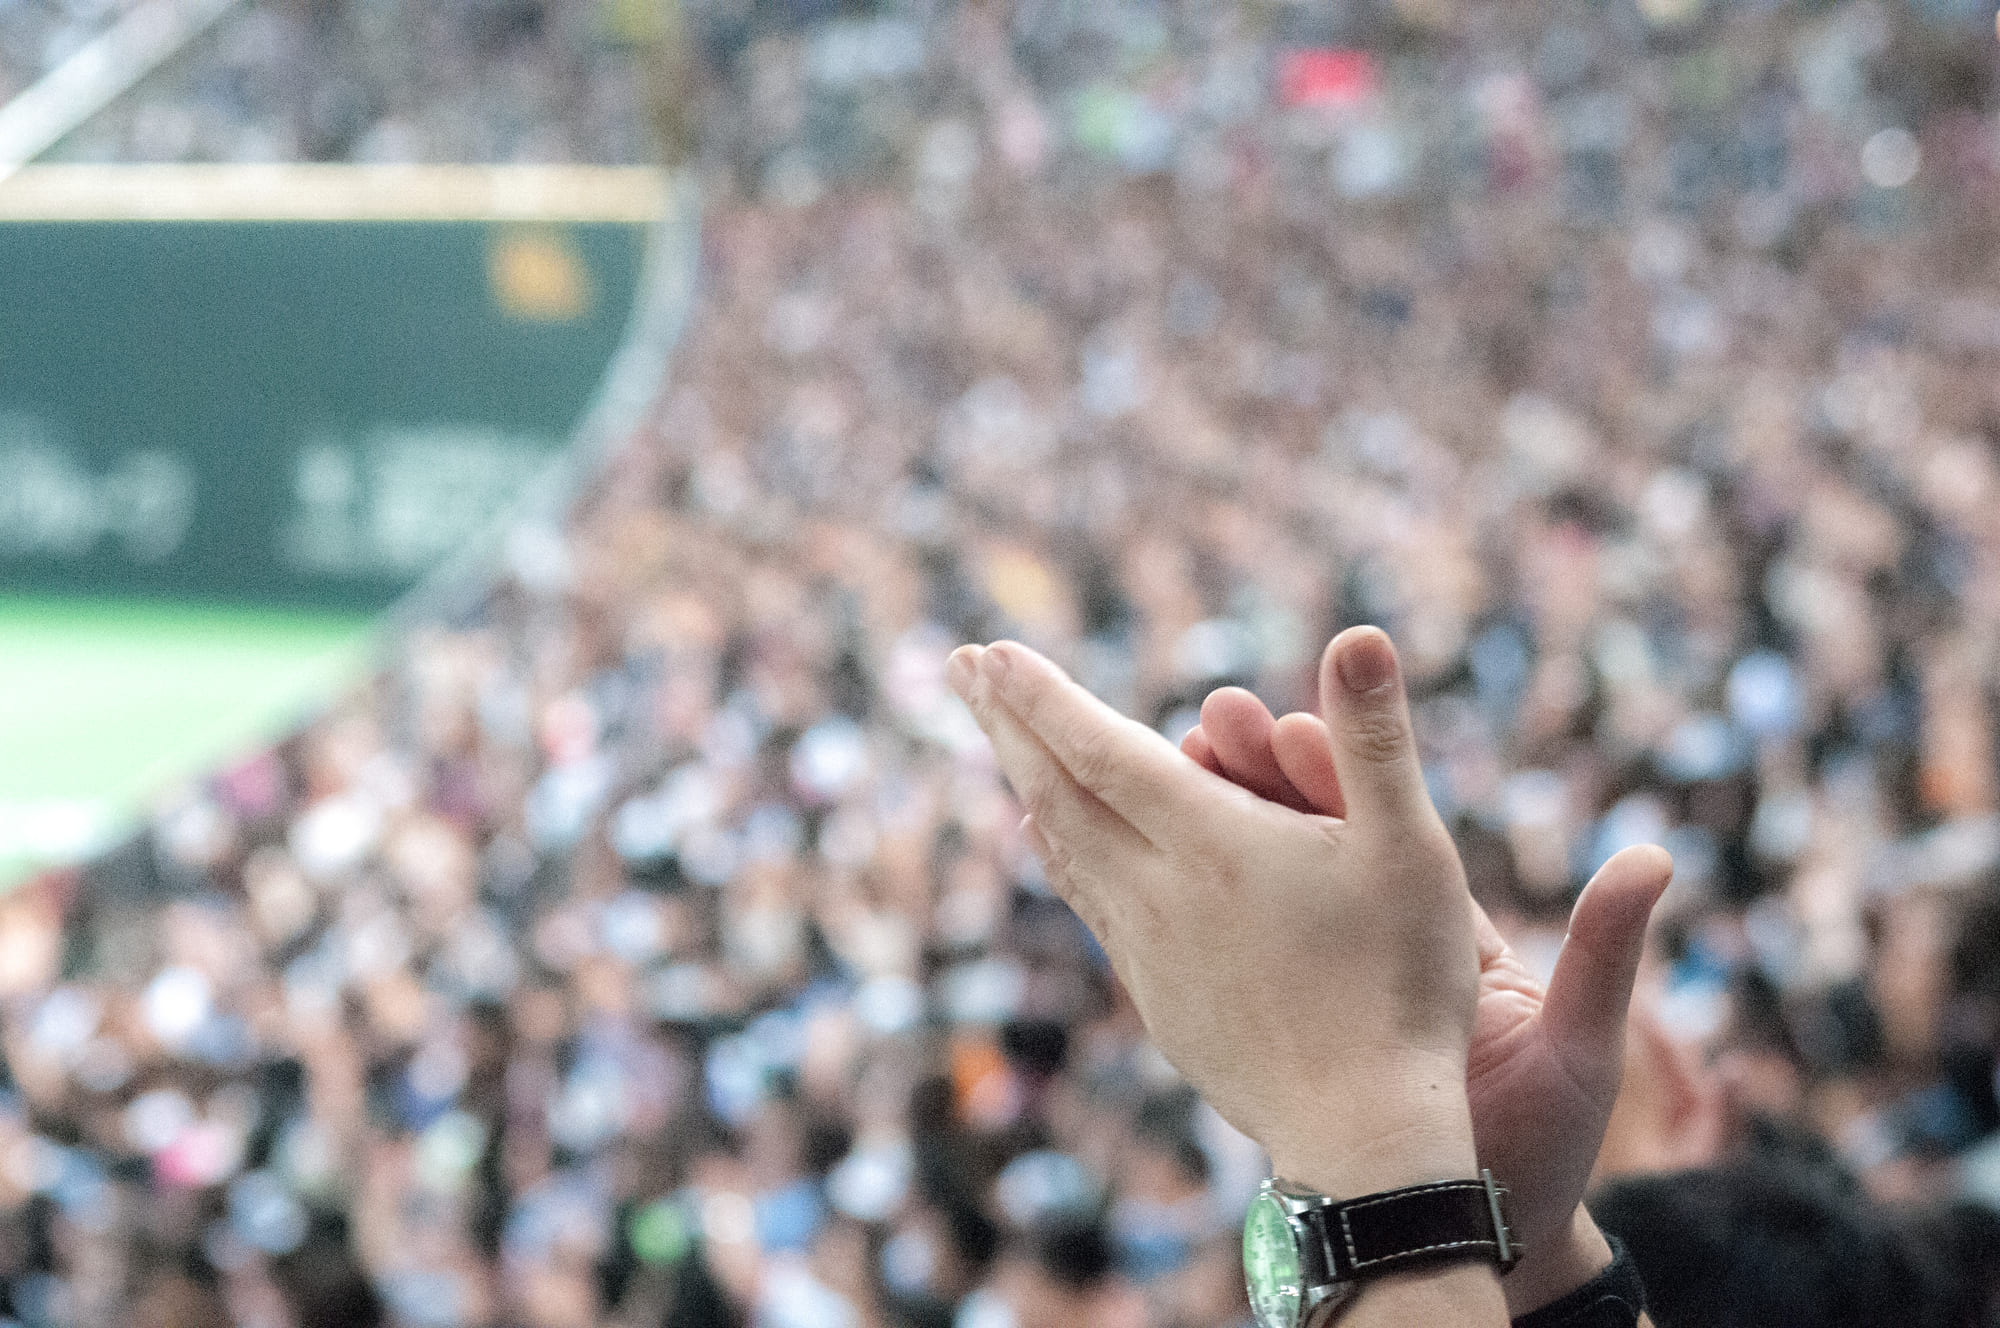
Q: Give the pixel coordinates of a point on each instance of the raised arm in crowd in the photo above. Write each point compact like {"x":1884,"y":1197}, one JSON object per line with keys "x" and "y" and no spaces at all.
{"x":1292,"y":920}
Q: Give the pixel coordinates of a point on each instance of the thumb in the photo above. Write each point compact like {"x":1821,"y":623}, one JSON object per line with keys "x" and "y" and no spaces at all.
{"x":1584,"y":1011}
{"x":1368,"y":723}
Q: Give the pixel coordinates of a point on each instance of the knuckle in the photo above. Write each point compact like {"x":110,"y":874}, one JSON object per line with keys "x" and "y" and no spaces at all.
{"x":1071,"y":889}
{"x":1098,"y":922}
{"x":1332,"y":834}
{"x":1377,"y":736}
{"x":1094,"y":760}
{"x":1039,"y":794}
{"x":1032,"y":706}
{"x":1060,"y":866}
{"x":1200,"y":859}
{"x":1155,"y":926}
{"x":1062,"y":882}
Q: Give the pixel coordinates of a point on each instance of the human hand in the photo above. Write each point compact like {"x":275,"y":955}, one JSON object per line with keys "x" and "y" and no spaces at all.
{"x":1313,"y":977}
{"x":1543,"y":1067}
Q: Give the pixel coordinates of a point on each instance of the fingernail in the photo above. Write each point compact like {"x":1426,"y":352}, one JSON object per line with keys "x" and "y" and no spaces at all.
{"x":1366,"y":662}
{"x":993,"y":663}
{"x":961,"y":669}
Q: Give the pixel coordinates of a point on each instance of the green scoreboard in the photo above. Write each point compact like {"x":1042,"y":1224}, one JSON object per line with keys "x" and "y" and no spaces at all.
{"x":294,"y":385}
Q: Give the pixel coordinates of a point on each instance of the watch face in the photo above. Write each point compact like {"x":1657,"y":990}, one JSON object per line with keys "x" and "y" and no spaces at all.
{"x":1271,"y":1264}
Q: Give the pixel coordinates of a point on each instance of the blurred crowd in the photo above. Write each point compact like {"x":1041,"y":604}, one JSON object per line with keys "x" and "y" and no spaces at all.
{"x":385,"y":81}
{"x":35,"y":37}
{"x":656,"y":945}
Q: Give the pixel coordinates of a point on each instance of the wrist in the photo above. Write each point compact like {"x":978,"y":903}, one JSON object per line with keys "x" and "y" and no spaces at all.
{"x":1571,"y":1258}
{"x":1408,"y":1139}
{"x":1463,"y":1294}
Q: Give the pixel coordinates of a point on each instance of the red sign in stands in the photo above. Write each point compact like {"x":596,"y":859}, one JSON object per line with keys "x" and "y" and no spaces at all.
{"x":1328,"y":78}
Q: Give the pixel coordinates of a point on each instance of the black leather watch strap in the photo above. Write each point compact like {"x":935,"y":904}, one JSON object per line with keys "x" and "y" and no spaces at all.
{"x":1451,"y":1220}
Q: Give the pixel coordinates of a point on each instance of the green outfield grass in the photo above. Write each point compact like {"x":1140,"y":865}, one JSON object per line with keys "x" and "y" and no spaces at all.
{"x":103,"y":704}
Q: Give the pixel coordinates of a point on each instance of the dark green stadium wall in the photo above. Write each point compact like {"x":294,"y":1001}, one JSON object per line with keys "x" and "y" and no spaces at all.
{"x":295,"y":412}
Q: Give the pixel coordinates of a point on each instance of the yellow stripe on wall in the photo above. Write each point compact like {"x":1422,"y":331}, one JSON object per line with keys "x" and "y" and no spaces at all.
{"x":334,"y":193}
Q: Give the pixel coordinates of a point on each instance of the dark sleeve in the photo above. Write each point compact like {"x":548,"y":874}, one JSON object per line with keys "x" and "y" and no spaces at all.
{"x":1612,"y":1299}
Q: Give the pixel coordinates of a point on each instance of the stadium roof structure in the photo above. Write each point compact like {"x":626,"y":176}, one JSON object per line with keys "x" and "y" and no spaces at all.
{"x":98,"y":73}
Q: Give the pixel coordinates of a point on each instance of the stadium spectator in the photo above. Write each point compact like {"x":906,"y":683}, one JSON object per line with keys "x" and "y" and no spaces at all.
{"x":1782,"y":1234}
{"x":273,"y":80}
{"x":655,"y":944}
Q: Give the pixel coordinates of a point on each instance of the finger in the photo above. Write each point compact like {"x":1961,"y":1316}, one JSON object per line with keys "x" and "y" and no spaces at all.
{"x":1368,"y":718}
{"x":1062,"y":809}
{"x":1584,"y":1012}
{"x":1195,"y":746}
{"x":1131,"y":769}
{"x":1305,"y":753}
{"x":1492,"y":945}
{"x":1089,"y":905}
{"x":1059,"y":867}
{"x":1239,"y":732}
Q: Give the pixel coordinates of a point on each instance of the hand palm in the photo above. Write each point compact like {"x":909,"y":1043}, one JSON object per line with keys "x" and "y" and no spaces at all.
{"x":1525,"y":1097}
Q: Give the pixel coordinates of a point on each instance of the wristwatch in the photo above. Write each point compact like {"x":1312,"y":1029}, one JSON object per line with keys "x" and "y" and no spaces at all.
{"x":1306,"y":1255}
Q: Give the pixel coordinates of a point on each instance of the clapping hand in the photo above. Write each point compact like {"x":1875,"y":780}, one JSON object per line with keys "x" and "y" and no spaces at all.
{"x":1314,"y":977}
{"x":1543,"y":1065}
{"x":1292,"y":921}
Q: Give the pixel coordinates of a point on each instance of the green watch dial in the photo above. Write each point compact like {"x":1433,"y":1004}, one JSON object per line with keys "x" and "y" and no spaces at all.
{"x":1271,"y":1264}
